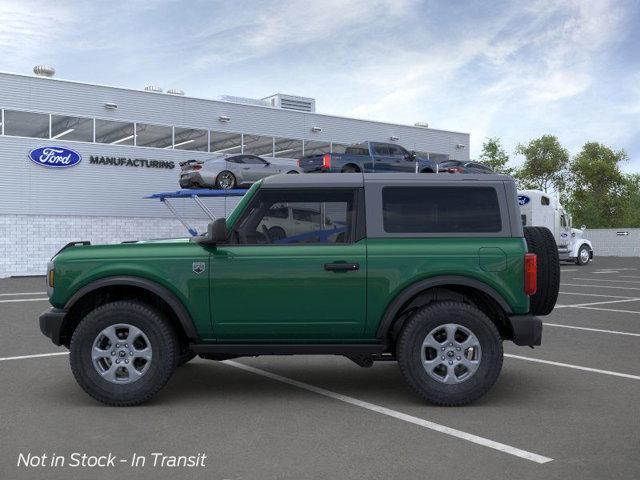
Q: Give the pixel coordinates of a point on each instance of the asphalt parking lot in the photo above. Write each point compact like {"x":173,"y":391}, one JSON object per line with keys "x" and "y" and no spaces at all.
{"x":569,"y":409}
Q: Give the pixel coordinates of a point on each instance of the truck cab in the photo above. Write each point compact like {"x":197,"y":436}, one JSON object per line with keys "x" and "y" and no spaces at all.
{"x":538,"y":208}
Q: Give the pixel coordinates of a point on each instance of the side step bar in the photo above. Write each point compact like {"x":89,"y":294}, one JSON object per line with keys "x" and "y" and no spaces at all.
{"x":249,"y":349}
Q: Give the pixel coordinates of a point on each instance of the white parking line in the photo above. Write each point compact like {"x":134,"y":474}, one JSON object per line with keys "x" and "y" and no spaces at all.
{"x":569,"y":270}
{"x":16,"y":300}
{"x":593,"y":295}
{"x":598,"y":303}
{"x":606,"y":280}
{"x":395,"y":414}
{"x":599,"y":330}
{"x":575,"y":367}
{"x":22,"y":293}
{"x":22,"y":357}
{"x":598,"y":286}
{"x":610,"y":310}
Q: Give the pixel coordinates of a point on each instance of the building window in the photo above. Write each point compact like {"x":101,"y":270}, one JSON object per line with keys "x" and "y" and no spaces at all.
{"x":114,"y":133}
{"x":441,"y":210}
{"x":190,"y":139}
{"x":26,"y":124}
{"x":312,"y":147}
{"x":287,"y":148}
{"x":157,"y":136}
{"x":338,"y":147}
{"x":258,"y":145}
{"x":72,"y":128}
{"x":224,"y":142}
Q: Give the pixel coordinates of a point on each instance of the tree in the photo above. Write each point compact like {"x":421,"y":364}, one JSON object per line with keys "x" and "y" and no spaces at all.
{"x":599,"y":191}
{"x":545,"y":164}
{"x":494,"y":156}
{"x":631,"y":215}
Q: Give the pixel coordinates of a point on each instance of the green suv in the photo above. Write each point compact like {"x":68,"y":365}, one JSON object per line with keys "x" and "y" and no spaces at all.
{"x":431,"y":271}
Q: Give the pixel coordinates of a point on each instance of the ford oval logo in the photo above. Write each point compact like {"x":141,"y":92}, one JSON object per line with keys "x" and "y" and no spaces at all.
{"x":523,"y":200}
{"x":56,"y":157}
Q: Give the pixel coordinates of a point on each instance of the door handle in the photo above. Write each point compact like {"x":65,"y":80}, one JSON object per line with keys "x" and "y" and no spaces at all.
{"x":341,"y":267}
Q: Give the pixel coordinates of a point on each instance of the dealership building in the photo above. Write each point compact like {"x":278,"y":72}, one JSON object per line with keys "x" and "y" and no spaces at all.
{"x":128,"y":144}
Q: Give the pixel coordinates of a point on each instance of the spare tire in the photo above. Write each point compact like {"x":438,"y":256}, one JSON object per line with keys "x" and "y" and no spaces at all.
{"x":541,"y":242}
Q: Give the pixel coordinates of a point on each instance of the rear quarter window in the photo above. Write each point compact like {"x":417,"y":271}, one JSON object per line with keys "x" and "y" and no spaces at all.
{"x":441,"y":210}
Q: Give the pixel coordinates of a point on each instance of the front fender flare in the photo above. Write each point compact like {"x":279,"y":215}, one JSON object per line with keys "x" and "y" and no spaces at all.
{"x":164,"y":293}
{"x":415,"y":288}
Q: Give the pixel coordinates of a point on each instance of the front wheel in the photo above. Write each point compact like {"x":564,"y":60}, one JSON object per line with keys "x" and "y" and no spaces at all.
{"x":584,"y":256}
{"x":123,"y":353}
{"x":450,"y":353}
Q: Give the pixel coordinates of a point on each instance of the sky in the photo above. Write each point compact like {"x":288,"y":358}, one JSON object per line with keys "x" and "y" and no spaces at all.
{"x":514,"y":70}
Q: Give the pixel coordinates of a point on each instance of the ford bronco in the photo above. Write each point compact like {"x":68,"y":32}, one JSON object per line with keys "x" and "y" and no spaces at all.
{"x":431,"y":271}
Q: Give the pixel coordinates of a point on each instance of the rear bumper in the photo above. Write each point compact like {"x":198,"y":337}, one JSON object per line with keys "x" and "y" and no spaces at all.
{"x":51,"y":323}
{"x":527,"y":330}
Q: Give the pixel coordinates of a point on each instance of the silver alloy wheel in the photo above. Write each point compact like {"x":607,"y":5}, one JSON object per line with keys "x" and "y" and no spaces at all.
{"x":584,"y":255}
{"x":121,"y":353}
{"x":451,"y":353}
{"x":225,"y":180}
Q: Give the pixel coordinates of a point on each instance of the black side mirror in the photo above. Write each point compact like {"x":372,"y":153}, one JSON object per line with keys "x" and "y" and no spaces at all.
{"x":216,"y":233}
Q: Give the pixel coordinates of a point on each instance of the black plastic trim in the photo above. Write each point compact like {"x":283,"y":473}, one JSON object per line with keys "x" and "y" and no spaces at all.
{"x":527,"y":330}
{"x":51,"y":322}
{"x":164,"y":293}
{"x":251,"y":349}
{"x":409,"y":292}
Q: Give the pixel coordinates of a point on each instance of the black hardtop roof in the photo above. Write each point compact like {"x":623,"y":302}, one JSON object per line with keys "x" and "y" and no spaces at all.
{"x":337,"y":180}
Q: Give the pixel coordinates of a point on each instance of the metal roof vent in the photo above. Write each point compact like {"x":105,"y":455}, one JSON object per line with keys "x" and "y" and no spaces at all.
{"x":153,"y":88}
{"x":44,"y":71}
{"x":292,"y":102}
{"x":175,"y":91}
{"x":422,"y":124}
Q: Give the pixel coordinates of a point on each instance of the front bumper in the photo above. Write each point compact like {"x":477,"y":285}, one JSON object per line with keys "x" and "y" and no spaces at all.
{"x":52,"y":323}
{"x":527,"y":330}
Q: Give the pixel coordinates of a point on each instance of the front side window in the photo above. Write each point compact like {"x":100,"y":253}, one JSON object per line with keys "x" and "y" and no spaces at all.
{"x":317,"y":217}
{"x":441,"y":210}
{"x":380,"y":149}
{"x":397,"y":151}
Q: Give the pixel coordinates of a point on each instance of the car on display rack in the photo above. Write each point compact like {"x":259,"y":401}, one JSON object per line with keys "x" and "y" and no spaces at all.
{"x":463,"y":166}
{"x":369,"y":157}
{"x":431,"y":271}
{"x":231,"y":171}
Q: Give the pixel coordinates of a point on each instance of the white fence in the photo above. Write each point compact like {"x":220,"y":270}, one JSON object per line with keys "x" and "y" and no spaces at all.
{"x":614,"y":242}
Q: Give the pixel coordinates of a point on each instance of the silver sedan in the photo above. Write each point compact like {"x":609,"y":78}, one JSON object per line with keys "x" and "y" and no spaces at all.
{"x":226,"y":172}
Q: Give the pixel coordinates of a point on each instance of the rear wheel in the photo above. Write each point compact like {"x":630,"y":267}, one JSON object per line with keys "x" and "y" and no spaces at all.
{"x":225,"y":180}
{"x":277,"y":233}
{"x":541,"y":242}
{"x":123,"y":353}
{"x":450,"y":353}
{"x":584,"y":256}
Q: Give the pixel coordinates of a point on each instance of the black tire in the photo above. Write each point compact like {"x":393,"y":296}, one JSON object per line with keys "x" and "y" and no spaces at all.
{"x":220,"y":178}
{"x":276,"y":233}
{"x":164,"y":348}
{"x":579,"y":260}
{"x":350,"y":169}
{"x":409,"y":353}
{"x":292,"y":172}
{"x":541,"y":242}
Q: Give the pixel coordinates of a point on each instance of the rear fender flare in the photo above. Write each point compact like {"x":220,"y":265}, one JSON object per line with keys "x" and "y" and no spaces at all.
{"x":414,"y":289}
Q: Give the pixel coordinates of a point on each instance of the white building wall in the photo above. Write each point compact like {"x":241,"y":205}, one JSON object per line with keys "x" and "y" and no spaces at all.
{"x":612,"y":242}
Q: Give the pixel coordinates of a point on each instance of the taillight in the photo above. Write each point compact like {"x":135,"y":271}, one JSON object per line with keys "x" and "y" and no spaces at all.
{"x":530,"y":273}
{"x":196,"y":167}
{"x":455,"y":169}
{"x":298,"y":162}
{"x":326,"y":161}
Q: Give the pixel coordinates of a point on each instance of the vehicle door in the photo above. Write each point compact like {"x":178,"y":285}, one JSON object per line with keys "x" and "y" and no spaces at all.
{"x":565,"y":229}
{"x":401,"y":159}
{"x":306,"y":286}
{"x":382,"y":159}
{"x":257,"y":168}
